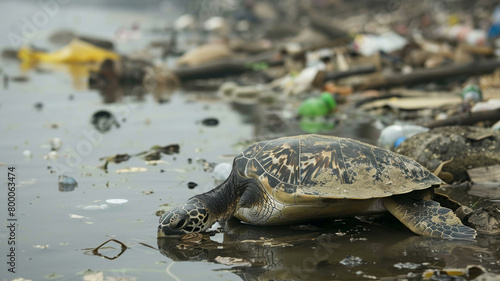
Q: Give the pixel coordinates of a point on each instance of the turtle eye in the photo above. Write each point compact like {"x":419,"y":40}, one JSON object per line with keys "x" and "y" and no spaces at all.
{"x":180,"y":223}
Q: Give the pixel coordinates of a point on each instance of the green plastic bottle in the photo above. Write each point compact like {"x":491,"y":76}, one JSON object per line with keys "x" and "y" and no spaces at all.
{"x":472,"y":92}
{"x":317,"y":106}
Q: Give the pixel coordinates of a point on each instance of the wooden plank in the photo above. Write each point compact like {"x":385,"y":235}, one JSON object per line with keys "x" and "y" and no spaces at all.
{"x":488,"y":174}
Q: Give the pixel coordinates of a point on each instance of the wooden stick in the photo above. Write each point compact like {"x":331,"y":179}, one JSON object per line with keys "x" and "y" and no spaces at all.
{"x":362,"y":69}
{"x":469,"y":119}
{"x":434,"y":74}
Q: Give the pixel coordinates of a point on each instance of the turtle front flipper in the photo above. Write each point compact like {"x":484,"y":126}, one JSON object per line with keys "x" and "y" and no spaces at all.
{"x":428,"y":218}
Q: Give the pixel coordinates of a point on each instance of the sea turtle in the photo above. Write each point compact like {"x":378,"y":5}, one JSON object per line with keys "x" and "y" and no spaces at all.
{"x":307,"y":177}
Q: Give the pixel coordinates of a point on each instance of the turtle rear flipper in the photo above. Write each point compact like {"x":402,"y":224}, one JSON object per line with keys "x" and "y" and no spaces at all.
{"x":428,"y":218}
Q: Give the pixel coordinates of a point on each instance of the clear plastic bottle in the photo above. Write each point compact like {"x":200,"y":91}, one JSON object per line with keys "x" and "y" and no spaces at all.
{"x":392,"y":136}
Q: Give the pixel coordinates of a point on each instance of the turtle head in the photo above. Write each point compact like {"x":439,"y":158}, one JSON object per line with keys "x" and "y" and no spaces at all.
{"x":192,"y":216}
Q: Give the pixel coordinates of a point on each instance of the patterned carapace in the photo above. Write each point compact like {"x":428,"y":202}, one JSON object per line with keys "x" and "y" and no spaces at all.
{"x":333,"y":167}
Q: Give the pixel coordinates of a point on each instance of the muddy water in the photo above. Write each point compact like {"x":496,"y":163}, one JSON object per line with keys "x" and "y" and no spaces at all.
{"x":57,"y":232}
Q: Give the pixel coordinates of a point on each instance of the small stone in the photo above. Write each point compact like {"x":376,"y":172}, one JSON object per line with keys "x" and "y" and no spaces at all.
{"x":192,"y":185}
{"x":210,"y":122}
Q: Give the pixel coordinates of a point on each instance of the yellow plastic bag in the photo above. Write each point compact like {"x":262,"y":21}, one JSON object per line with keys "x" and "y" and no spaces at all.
{"x":77,"y":51}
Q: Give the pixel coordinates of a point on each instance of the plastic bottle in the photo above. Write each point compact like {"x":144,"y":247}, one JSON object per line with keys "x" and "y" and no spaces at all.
{"x":222,"y":171}
{"x":392,"y":136}
{"x":317,"y":106}
{"x":496,"y":127}
{"x":472,"y":92}
{"x":494,"y":30}
{"x":314,"y":125}
{"x":77,"y":51}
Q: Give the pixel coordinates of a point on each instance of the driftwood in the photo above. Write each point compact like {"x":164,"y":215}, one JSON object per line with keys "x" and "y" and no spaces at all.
{"x":467,"y":119}
{"x":434,"y":74}
{"x":225,"y":68}
{"x":212,"y":70}
{"x":363,"y":69}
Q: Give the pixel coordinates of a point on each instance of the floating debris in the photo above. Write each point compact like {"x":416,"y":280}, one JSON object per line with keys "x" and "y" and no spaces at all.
{"x":104,"y":120}
{"x":352,"y":261}
{"x":131,"y":170}
{"x":77,"y":51}
{"x":67,"y":183}
{"x":116,"y":201}
{"x":73,"y":216}
{"x":152,"y":156}
{"x":27,"y":154}
{"x":148,"y":192}
{"x":192,"y":185}
{"x":210,"y":122}
{"x":162,"y":209}
{"x":169,"y":149}
{"x":38,"y":106}
{"x":51,"y":156}
{"x":407,"y":265}
{"x":232,"y":261}
{"x":93,"y":276}
{"x":53,"y":276}
{"x":55,"y":144}
{"x":222,"y":171}
{"x":95,"y":251}
{"x":96,"y":207}
{"x":472,"y":272}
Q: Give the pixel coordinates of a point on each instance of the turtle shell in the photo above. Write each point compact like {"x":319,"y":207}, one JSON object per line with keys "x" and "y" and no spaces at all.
{"x":308,"y":168}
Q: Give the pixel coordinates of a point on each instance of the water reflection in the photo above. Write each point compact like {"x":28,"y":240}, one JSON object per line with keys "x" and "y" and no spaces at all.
{"x":132,"y":79}
{"x":341,"y":249}
{"x":79,"y":73}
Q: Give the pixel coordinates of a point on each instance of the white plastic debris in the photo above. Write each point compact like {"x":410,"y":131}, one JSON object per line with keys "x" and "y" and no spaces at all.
{"x":303,"y":81}
{"x":390,"y":134}
{"x":216,"y":24}
{"x":116,"y":201}
{"x":74,"y":216}
{"x":222,"y":171}
{"x":185,"y":22}
{"x":55,"y":144}
{"x":52,"y":155}
{"x":388,"y":42}
{"x":496,"y":126}
{"x":27,"y":154}
{"x":96,"y":207}
{"x":491,"y":104}
{"x":407,"y":265}
{"x":351,"y":261}
{"x":131,"y":170}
